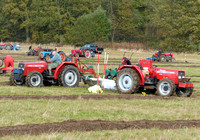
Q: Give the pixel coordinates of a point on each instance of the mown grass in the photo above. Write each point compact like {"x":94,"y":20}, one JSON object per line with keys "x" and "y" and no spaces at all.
{"x":17,"y":112}
{"x":144,"y":134}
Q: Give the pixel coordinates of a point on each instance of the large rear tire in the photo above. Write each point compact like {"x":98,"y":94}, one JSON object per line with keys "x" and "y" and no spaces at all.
{"x":8,"y":47}
{"x":127,"y":81}
{"x":14,"y":82}
{"x":34,"y":79}
{"x":165,"y":87}
{"x":163,"y":58}
{"x":69,"y":76}
{"x":62,"y":55}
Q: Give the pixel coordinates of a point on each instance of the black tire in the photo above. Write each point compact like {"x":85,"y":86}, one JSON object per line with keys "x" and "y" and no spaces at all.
{"x":127,"y":81}
{"x":87,"y":54}
{"x":69,"y":76}
{"x":1,"y":62}
{"x":14,"y":82}
{"x":184,"y":92}
{"x":8,"y":47}
{"x":162,"y":58}
{"x":173,"y":60}
{"x":62,"y":55}
{"x":165,"y":87}
{"x":34,"y":79}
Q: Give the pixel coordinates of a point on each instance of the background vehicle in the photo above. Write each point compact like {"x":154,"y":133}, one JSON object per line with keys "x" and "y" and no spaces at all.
{"x":36,"y":51}
{"x":48,"y":55}
{"x":87,"y":51}
{"x":162,"y":57}
{"x":8,"y":63}
{"x":10,"y":46}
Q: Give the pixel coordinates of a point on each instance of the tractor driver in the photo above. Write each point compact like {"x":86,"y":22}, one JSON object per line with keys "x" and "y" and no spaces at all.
{"x":56,"y":60}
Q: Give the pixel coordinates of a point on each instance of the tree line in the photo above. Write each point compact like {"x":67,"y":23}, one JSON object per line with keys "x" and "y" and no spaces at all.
{"x":165,"y":24}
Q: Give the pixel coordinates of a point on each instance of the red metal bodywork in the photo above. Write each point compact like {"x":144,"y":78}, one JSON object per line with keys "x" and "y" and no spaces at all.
{"x":3,"y":44}
{"x":43,"y":66}
{"x":166,"y":54}
{"x":8,"y":65}
{"x":157,"y":72}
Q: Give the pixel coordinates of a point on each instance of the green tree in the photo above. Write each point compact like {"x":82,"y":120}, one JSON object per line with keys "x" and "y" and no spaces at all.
{"x":178,"y":23}
{"x":91,"y":27}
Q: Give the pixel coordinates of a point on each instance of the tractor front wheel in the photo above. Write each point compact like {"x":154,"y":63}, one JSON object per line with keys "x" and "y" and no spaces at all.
{"x":88,"y":54}
{"x":69,"y":77}
{"x":14,"y":82}
{"x":34,"y":79}
{"x":127,"y":81}
{"x":165,"y":87}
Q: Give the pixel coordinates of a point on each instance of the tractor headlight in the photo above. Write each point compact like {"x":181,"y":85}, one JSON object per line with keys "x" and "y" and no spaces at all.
{"x":181,"y":75}
{"x":21,"y":66}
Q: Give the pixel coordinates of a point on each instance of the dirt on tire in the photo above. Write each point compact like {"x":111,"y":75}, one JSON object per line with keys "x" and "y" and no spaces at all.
{"x":94,"y":125}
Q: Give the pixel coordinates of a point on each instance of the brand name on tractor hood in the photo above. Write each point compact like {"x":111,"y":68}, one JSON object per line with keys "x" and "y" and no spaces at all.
{"x":35,"y":65}
{"x":164,"y":71}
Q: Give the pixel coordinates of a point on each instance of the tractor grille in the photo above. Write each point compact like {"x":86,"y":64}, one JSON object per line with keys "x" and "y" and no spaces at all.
{"x":181,"y":75}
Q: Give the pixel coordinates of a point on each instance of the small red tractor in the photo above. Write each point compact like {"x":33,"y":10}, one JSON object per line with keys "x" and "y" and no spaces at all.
{"x":36,"y":74}
{"x":36,"y":51}
{"x":8,"y":62}
{"x":161,"y":56}
{"x":144,"y":76}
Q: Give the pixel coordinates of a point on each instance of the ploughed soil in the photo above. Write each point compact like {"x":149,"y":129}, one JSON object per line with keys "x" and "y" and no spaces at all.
{"x":86,"y":97}
{"x":94,"y":125}
{"x":4,"y":83}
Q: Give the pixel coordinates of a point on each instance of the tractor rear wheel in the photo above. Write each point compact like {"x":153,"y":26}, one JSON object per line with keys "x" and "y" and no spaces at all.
{"x":127,"y":81}
{"x":14,"y":82}
{"x":163,"y":58}
{"x":173,"y":60}
{"x":69,"y":76}
{"x":184,"y":92}
{"x":165,"y":87}
{"x":88,"y":54}
{"x":62,"y":55}
{"x":34,"y":79}
{"x":8,"y":47}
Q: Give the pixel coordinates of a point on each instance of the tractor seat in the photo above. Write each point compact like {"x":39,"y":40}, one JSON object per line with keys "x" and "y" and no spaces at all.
{"x":126,"y":61}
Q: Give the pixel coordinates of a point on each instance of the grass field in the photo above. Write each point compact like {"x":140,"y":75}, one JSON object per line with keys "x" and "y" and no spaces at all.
{"x":32,"y":111}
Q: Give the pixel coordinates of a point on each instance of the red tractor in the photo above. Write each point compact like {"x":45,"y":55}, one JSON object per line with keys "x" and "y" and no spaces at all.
{"x":161,"y":56}
{"x":8,"y":62}
{"x":165,"y":82}
{"x":35,"y":74}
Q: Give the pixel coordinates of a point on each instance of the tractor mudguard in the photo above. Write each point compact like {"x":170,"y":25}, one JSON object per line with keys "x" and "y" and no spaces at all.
{"x":61,"y":66}
{"x":137,"y":69}
{"x":184,"y":85}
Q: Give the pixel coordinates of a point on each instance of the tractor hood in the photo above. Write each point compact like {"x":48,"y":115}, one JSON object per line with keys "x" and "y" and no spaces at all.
{"x":33,"y":63}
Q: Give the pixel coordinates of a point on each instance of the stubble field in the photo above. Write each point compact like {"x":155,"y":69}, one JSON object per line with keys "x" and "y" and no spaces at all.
{"x":57,"y":112}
